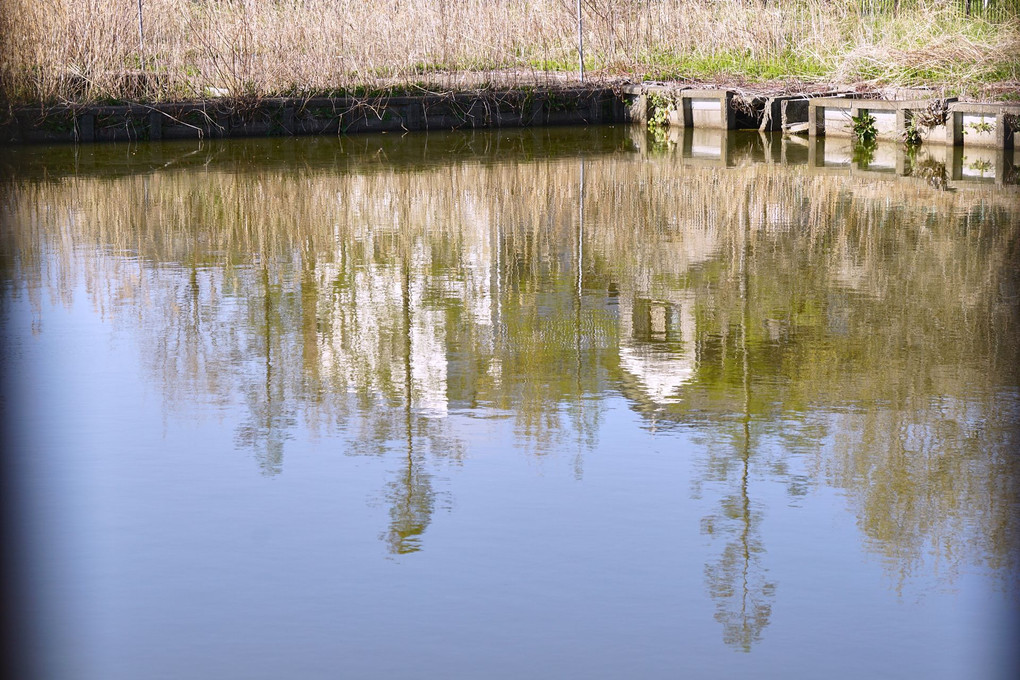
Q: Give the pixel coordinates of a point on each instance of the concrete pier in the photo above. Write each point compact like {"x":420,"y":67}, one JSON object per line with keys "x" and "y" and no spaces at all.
{"x":717,"y":109}
{"x":959,"y":124}
{"x":974,"y":124}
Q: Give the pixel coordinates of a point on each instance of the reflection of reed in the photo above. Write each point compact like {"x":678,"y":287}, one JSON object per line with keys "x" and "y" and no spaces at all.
{"x":288,"y":286}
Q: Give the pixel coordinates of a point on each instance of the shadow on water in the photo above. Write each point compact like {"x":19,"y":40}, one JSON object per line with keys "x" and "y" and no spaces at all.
{"x":861,"y":310}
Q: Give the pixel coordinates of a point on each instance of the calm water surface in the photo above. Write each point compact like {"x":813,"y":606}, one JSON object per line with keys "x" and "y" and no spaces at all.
{"x":571,"y":403}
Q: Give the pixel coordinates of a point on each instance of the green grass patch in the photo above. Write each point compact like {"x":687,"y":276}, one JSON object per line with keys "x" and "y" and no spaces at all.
{"x":762,"y":67}
{"x":557,"y":64}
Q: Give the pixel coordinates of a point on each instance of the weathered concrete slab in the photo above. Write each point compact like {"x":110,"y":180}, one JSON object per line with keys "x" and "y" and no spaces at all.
{"x":976,"y":124}
{"x":716,"y":109}
{"x":936,"y":121}
{"x":939,"y":121}
{"x":708,"y":109}
{"x":830,"y":116}
{"x":790,"y":113}
{"x":834,"y":117}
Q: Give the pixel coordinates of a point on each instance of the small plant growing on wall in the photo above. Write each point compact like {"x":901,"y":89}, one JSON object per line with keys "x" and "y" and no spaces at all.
{"x":660,"y":108}
{"x":912,"y":135}
{"x":980,"y":127}
{"x":864,"y":127}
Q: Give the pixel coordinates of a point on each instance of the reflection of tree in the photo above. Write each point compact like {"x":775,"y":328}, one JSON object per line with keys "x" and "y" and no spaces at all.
{"x":412,"y":501}
{"x":933,"y":486}
{"x":411,"y":495}
{"x":737,"y":580}
{"x":269,"y":411}
{"x":885,"y":356}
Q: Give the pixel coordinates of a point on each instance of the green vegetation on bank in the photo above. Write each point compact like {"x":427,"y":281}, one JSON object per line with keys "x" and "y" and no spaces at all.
{"x":85,"y":51}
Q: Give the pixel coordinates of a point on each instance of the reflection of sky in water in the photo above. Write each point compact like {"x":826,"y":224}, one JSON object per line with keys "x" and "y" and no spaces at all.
{"x":687,"y":436}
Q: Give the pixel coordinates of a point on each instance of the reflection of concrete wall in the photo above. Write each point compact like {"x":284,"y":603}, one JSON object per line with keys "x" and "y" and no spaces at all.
{"x":657,"y":343}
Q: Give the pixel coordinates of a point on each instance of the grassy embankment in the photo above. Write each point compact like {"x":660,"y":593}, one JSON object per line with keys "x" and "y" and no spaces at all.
{"x":83,"y":51}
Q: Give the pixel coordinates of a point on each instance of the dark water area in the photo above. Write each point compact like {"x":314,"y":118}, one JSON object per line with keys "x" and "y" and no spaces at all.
{"x":565,"y":403}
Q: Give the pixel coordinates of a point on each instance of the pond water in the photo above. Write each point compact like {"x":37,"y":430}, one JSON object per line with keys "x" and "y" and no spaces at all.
{"x":576,"y":403}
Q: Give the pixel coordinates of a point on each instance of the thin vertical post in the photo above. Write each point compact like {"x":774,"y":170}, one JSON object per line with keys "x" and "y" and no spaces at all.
{"x":580,"y":40}
{"x":141,"y":33}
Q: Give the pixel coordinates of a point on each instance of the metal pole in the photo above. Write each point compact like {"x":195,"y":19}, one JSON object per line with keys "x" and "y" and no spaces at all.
{"x":580,"y":40}
{"x":141,"y":34}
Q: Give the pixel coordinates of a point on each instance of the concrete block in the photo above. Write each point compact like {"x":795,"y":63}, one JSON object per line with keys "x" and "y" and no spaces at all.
{"x":834,"y":117}
{"x":637,"y":108}
{"x":972,"y":124}
{"x":708,"y":109}
{"x":888,"y":117}
{"x":836,"y":121}
{"x":829,"y":116}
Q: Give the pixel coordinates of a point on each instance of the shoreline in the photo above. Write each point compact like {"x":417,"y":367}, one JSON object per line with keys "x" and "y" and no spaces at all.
{"x":736,"y":104}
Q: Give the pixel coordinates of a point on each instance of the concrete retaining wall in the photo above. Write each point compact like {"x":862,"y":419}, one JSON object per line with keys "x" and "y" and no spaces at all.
{"x":282,"y":117}
{"x":936,"y":121}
